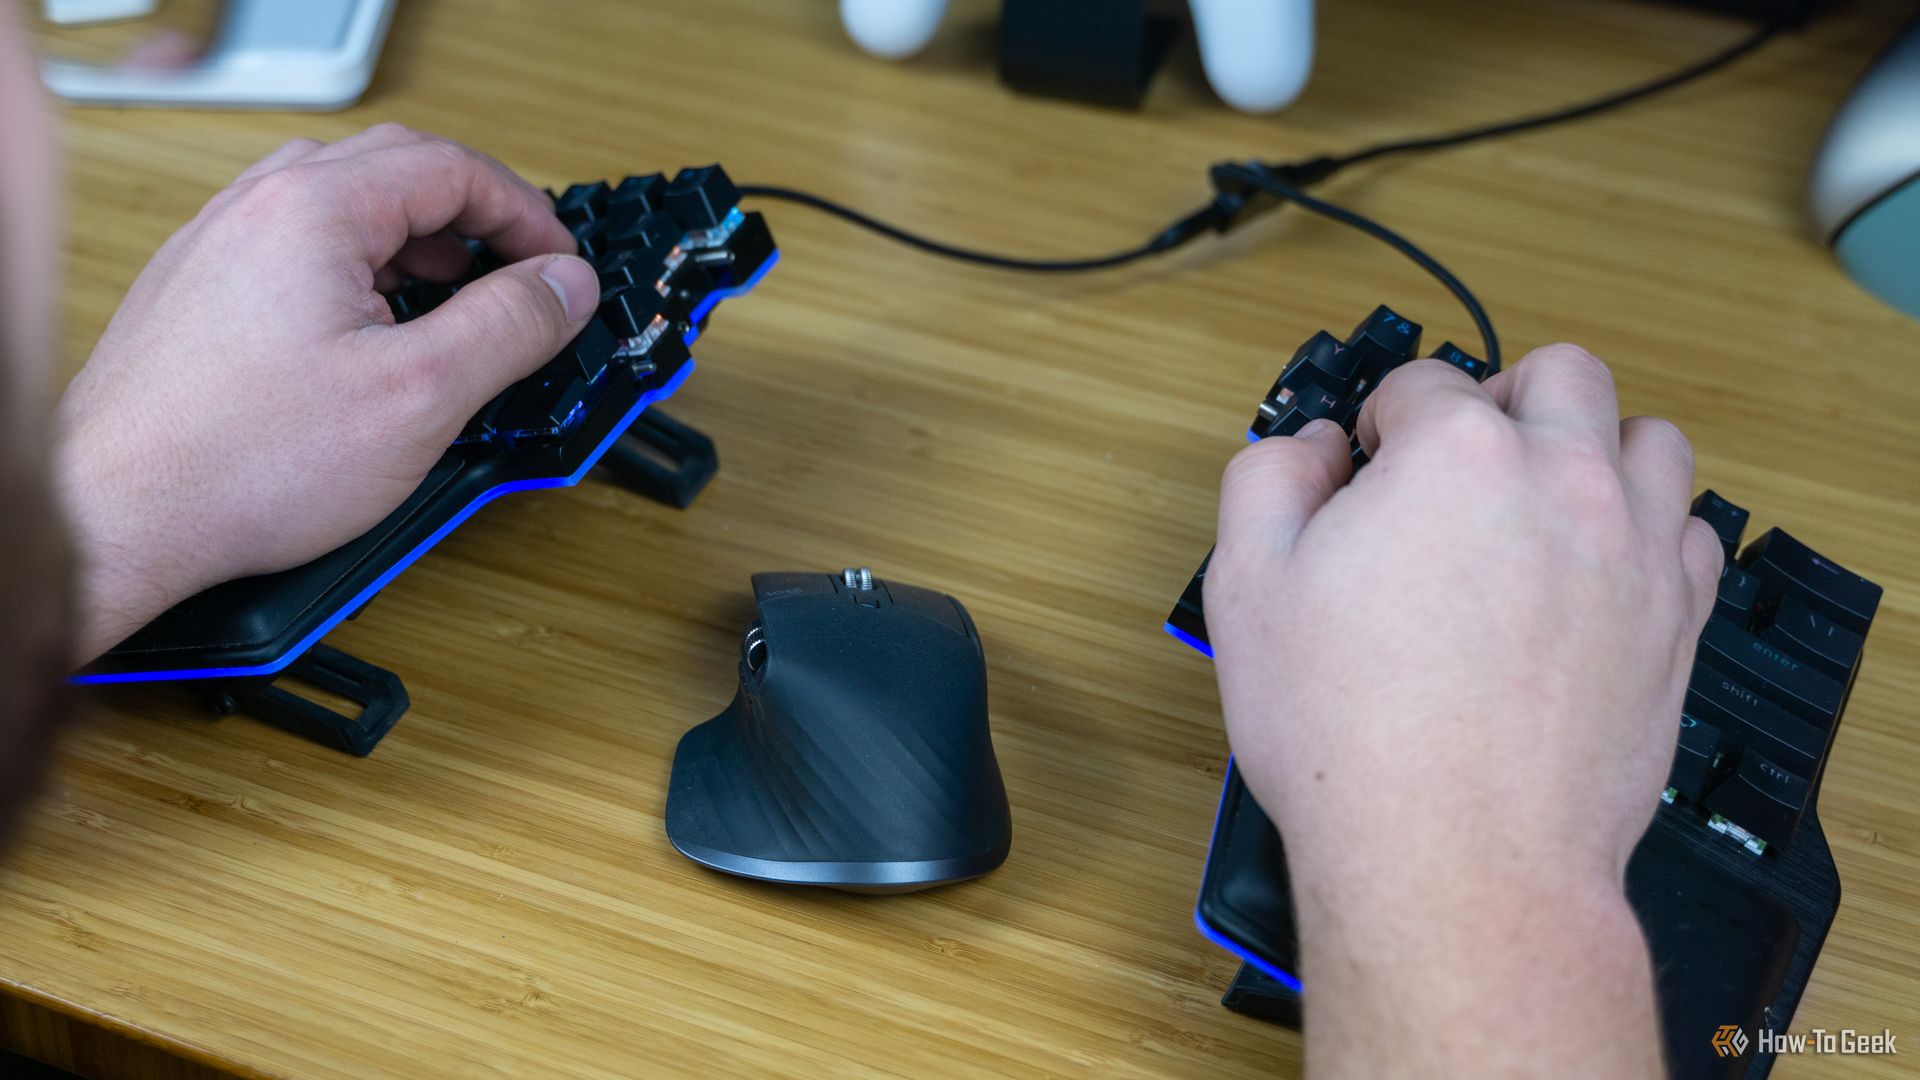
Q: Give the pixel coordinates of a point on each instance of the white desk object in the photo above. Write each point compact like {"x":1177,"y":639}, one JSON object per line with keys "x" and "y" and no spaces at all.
{"x":268,"y":54}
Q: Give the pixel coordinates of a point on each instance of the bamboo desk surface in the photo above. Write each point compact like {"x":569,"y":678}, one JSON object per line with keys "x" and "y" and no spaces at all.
{"x":491,"y":892}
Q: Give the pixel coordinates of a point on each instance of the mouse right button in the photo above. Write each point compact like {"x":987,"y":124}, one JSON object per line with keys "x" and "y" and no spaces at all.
{"x":933,"y":605}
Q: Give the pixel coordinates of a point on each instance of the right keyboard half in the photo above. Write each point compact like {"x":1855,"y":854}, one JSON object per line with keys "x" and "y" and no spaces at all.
{"x":1733,"y":882}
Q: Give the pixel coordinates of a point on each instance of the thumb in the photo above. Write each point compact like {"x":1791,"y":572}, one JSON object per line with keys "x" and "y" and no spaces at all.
{"x":1273,"y":487}
{"x":504,"y":325}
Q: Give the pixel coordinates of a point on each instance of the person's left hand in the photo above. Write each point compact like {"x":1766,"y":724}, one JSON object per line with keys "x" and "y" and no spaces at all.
{"x":253,"y":405}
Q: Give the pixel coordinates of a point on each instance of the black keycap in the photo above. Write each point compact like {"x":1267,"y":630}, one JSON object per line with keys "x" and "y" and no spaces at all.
{"x":1383,"y":341}
{"x":1695,"y":759}
{"x":537,"y":407}
{"x":581,"y":203}
{"x":1302,"y":409}
{"x":636,"y":195}
{"x":621,"y":268}
{"x":1389,"y":330}
{"x":701,"y":198}
{"x":1739,"y":591}
{"x":628,"y":309}
{"x":1728,"y":520}
{"x":1462,"y":359}
{"x":1828,"y":647}
{"x":649,"y":232}
{"x":1770,"y":672}
{"x":1762,"y":798}
{"x":1787,"y":567}
{"x":475,"y":436}
{"x":1323,"y":362}
{"x":1746,"y":719}
{"x":592,"y":349}
{"x":479,"y":436}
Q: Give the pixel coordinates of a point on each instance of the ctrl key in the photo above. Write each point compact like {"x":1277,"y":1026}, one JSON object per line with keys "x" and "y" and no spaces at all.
{"x":1762,"y":799}
{"x":1695,"y":760}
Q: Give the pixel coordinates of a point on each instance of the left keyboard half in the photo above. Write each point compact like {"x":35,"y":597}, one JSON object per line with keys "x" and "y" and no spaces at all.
{"x":668,"y":251}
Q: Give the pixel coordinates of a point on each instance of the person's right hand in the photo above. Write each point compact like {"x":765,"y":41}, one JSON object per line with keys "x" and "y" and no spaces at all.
{"x":1455,"y":684}
{"x":253,"y":404}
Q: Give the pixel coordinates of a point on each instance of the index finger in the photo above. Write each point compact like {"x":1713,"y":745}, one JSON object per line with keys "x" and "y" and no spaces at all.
{"x":1414,"y":395}
{"x":419,"y":189}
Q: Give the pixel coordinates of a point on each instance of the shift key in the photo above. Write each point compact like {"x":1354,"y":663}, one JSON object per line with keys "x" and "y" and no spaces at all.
{"x":1787,"y":682}
{"x":1744,"y":718}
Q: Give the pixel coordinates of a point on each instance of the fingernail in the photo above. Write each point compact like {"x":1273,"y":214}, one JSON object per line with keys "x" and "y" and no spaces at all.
{"x":575,"y":283}
{"x":1314,"y":427}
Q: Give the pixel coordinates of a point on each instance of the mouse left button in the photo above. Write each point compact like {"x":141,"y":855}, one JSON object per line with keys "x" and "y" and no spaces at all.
{"x":778,"y":586}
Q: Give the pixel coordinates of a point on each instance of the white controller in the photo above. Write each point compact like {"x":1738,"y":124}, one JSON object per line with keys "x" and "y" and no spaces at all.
{"x":1258,"y":53}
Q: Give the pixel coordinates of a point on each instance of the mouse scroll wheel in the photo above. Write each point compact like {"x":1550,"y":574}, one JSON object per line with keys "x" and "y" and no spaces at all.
{"x":754,"y":648}
{"x":859,"y":578}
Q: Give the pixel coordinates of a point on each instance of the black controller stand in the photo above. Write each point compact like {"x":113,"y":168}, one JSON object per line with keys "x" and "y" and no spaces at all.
{"x":657,"y":457}
{"x":1102,"y":51}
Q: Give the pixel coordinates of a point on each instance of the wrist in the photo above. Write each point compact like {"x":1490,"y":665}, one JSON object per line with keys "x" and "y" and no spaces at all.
{"x":1471,"y":966}
{"x":125,"y":571}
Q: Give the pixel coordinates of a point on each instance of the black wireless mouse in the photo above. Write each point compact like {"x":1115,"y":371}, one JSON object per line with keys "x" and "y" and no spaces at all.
{"x":856,"y":753}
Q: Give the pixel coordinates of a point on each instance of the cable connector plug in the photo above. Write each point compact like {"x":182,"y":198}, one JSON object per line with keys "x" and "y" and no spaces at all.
{"x":1235,"y":198}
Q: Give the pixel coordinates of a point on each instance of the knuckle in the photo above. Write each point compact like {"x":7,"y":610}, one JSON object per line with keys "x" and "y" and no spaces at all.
{"x":281,"y":189}
{"x":1478,"y":434}
{"x":1590,"y":482}
{"x":394,"y":131}
{"x":1572,"y":361}
{"x":1701,"y":543}
{"x":1673,"y":443}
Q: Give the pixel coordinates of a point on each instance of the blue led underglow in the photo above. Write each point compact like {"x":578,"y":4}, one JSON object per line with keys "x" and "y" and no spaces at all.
{"x":1260,"y":965}
{"x":1202,"y":647}
{"x":1199,"y":921}
{"x":660,"y":393}
{"x":1251,"y":437}
{"x":707,"y":302}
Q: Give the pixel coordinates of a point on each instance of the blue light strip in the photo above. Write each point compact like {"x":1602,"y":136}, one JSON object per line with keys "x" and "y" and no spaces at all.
{"x":1260,"y":965}
{"x":660,"y":393}
{"x":1251,"y":437}
{"x":1199,"y":921}
{"x":1202,"y":647}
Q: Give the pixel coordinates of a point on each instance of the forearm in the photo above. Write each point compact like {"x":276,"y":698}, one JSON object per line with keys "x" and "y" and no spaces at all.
{"x":1465,"y":970}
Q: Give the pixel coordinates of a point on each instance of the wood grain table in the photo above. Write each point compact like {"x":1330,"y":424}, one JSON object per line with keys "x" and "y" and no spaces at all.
{"x":491,"y":892}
